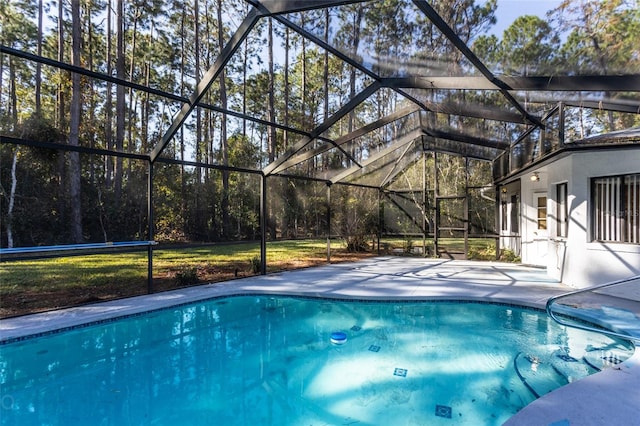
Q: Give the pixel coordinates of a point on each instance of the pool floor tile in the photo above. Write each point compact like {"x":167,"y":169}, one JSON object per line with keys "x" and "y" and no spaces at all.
{"x":567,"y":358}
{"x":401,"y":372}
{"x":443,"y":411}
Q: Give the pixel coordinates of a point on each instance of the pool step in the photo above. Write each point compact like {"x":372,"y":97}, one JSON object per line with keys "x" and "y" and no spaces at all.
{"x":538,"y":376}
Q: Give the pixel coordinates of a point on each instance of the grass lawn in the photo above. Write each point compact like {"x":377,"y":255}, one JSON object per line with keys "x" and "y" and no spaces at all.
{"x":28,"y":286}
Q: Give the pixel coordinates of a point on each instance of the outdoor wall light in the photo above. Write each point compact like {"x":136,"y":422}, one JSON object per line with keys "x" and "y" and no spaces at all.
{"x":535,"y":177}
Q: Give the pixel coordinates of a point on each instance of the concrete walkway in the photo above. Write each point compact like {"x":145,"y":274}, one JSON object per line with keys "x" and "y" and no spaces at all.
{"x":606,"y":398}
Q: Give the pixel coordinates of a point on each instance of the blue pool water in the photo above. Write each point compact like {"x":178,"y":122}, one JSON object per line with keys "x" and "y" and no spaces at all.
{"x":260,"y":360}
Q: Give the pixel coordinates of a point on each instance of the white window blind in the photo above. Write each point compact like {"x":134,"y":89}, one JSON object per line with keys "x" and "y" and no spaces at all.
{"x":617,"y":209}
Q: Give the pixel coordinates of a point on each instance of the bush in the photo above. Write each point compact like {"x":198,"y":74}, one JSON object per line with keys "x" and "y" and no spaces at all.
{"x":407,"y":245}
{"x":508,"y":255}
{"x":256,"y":265}
{"x":487,"y":252}
{"x":356,"y":243}
{"x":187,"y":275}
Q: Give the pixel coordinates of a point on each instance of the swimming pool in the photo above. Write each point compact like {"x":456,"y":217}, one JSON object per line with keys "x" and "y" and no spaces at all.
{"x":263,"y":360}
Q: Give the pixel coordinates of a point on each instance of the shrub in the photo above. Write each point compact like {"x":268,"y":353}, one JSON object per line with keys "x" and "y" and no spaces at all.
{"x":487,"y":252}
{"x":256,"y":264}
{"x":187,"y":275}
{"x":356,"y":243}
{"x":407,"y":245}
{"x":508,"y":255}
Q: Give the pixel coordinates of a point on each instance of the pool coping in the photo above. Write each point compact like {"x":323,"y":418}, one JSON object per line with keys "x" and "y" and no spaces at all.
{"x":585,"y":402}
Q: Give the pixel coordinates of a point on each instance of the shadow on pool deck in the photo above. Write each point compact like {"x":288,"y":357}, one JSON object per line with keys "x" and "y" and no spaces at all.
{"x":610,"y":397}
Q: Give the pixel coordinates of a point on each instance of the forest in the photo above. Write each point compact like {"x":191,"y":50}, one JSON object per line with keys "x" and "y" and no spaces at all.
{"x":89,"y":88}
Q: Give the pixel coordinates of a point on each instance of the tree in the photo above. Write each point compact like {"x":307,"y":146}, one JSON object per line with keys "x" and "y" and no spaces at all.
{"x":120,"y":99}
{"x":528,"y":47}
{"x":74,"y":127}
{"x":603,"y":36}
{"x":223,"y":131}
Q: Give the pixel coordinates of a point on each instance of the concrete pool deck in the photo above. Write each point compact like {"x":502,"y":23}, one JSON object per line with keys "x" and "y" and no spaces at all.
{"x":609,"y":397}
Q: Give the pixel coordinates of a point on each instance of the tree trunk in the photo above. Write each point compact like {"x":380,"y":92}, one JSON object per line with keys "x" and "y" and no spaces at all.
{"x":352,"y":77}
{"x":120,"y":102}
{"x":183,"y":177}
{"x":39,"y":65}
{"x":1,"y":74}
{"x":198,"y":141}
{"x":74,"y":127}
{"x":245,"y":63}
{"x":61,"y":124}
{"x":12,"y":93}
{"x":271,"y":135}
{"x":271,"y":132}
{"x":286,"y":85}
{"x":145,"y":110}
{"x":223,"y":133}
{"x":303,"y":104}
{"x":108,"y":133}
{"x":12,"y":198}
{"x":92,"y":96}
{"x":325,"y":70}
{"x":132,"y":108}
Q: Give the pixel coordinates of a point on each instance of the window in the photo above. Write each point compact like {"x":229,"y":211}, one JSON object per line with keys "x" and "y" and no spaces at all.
{"x":616,"y":209}
{"x":503,"y":213}
{"x":561,"y":210}
{"x":542,"y":211}
{"x":515,"y":213}
{"x":510,"y":213}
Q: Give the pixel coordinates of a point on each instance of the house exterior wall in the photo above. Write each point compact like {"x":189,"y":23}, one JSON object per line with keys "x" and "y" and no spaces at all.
{"x":576,"y":259}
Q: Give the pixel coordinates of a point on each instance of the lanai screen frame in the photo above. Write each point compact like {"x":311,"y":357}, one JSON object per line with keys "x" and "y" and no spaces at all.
{"x":429,"y":138}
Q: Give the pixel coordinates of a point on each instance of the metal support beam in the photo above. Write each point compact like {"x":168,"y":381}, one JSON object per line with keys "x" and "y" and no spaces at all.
{"x":476,"y":111}
{"x":207,"y":80}
{"x":406,"y":213}
{"x":448,"y":32}
{"x":150,"y":228}
{"x":357,"y":65}
{"x":346,"y":108}
{"x":425,"y":222}
{"x":408,"y":138}
{"x":577,"y":83}
{"x":465,"y":213}
{"x":498,"y":220}
{"x":436,"y":206}
{"x":274,"y":7}
{"x":459,"y":137}
{"x":618,"y":105}
{"x":395,"y":170}
{"x":561,"y":118}
{"x":347,"y":138}
{"x":445,"y":147}
{"x":328,"y":222}
{"x":145,"y":89}
{"x":380,"y":219}
{"x":569,"y":83}
{"x":72,"y":148}
{"x":263,"y":225}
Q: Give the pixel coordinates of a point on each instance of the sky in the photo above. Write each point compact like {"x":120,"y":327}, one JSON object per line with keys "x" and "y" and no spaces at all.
{"x":509,"y":10}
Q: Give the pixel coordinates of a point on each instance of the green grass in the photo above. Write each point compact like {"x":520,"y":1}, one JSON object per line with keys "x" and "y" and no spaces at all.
{"x":33,"y":285}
